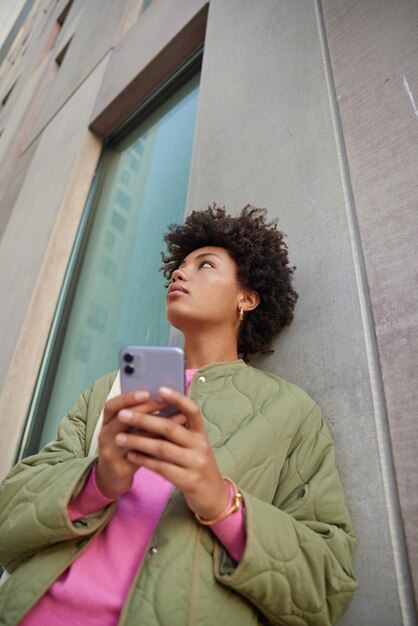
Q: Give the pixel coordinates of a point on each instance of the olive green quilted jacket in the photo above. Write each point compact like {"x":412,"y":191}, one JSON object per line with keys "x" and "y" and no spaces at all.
{"x":270,"y":437}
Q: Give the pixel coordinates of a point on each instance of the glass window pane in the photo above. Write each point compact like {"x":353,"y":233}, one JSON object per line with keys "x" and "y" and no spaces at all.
{"x":120,"y":295}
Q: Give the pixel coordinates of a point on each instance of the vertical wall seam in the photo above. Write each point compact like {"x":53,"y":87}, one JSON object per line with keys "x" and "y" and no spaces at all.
{"x":380,"y":412}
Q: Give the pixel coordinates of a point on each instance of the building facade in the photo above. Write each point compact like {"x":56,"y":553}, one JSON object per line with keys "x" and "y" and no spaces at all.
{"x":119,"y":117}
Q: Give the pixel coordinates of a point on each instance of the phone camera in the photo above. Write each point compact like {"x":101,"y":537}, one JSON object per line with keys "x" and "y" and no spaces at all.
{"x":129,"y":369}
{"x":128,"y":357}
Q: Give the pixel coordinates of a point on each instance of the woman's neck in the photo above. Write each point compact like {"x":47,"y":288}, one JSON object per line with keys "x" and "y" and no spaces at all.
{"x":209,"y":348}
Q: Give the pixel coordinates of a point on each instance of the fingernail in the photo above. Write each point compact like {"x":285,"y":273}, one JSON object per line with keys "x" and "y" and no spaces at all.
{"x":121,"y":438}
{"x":141,"y":395}
{"x":166,"y":391}
{"x":126,"y":415}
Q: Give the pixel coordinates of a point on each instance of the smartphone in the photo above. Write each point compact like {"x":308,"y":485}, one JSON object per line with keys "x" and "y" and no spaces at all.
{"x":150,"y":367}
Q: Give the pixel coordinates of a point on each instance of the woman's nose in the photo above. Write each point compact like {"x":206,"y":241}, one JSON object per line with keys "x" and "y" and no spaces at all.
{"x":178,"y":274}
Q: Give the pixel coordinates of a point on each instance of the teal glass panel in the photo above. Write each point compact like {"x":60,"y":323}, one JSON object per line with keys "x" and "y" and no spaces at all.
{"x":120,"y":294}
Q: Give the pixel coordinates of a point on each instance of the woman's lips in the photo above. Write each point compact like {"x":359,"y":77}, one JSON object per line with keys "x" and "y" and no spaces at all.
{"x":176,"y":290}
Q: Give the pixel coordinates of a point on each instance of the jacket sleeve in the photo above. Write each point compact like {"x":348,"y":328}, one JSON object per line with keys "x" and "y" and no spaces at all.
{"x":35,"y":495}
{"x":297,"y":567}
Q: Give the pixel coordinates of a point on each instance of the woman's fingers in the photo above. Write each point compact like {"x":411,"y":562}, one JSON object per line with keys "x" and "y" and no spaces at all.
{"x":183,"y":456}
{"x":186,"y":406}
{"x":170,"y":428}
{"x":123,"y":401}
{"x":163,"y":444}
{"x":179,"y":476}
{"x":161,"y":449}
{"x":114,"y":472}
{"x":129,"y":402}
{"x":131,"y":418}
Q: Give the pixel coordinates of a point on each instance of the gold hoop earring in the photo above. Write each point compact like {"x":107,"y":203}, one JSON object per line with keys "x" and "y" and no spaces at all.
{"x":241,"y":314}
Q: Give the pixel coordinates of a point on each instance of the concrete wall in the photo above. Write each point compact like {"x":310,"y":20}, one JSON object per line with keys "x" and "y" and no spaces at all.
{"x":374,"y":53}
{"x":307,"y":108}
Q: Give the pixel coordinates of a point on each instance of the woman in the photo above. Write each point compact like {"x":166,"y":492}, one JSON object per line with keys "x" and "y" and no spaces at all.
{"x":230,"y":512}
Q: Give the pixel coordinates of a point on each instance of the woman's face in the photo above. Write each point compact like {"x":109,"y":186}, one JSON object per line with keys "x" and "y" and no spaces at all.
{"x":205,"y":290}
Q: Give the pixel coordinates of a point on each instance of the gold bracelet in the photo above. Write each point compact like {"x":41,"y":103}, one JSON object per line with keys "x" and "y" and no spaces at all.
{"x":236,"y":503}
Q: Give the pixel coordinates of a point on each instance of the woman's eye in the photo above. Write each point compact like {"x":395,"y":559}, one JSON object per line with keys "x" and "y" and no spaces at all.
{"x":206,"y":264}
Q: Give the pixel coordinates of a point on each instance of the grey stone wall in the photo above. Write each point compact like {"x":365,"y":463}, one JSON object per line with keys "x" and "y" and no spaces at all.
{"x":374,"y":54}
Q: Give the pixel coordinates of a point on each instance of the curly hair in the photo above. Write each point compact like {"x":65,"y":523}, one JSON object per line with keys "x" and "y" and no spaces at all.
{"x":260,"y":253}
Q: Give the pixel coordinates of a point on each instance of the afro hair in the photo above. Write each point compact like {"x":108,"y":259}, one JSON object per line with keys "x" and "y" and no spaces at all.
{"x":260,"y":253}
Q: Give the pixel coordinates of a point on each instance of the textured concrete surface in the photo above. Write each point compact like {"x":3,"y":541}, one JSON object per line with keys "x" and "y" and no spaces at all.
{"x":93,"y":39}
{"x":25,"y":106}
{"x":374,"y":53}
{"x":26,"y":360}
{"x":43,"y":189}
{"x":155,"y":46}
{"x":12,"y":184}
{"x":265,"y":135}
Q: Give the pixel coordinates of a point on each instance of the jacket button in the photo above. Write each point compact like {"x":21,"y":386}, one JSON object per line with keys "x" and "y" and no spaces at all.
{"x":202,"y":379}
{"x":153,"y":550}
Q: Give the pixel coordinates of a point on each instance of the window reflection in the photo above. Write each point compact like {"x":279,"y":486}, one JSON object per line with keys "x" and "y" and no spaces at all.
{"x":120,"y":295}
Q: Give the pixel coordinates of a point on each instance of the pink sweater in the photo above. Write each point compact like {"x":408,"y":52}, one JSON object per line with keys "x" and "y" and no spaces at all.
{"x":93,"y":589}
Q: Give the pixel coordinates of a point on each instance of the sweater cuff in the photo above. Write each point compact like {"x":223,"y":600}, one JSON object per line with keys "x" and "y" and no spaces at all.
{"x":231,"y":531}
{"x":89,"y":500}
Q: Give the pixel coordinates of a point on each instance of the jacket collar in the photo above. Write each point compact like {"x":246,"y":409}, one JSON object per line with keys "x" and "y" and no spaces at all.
{"x":223,"y":407}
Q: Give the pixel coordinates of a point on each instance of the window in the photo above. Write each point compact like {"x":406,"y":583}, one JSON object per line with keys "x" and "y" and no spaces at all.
{"x":61,"y":55}
{"x":125,"y":177}
{"x":117,"y":295}
{"x":97,"y":317}
{"x":146,"y":4}
{"x":108,"y":267}
{"x":123,"y":199}
{"x":118,"y":221}
{"x":64,"y":13}
{"x":82,"y":348}
{"x":133,"y":163}
{"x":8,"y":94}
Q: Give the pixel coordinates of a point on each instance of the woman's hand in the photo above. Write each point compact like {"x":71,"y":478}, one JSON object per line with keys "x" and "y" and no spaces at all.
{"x":181,"y":455}
{"x":114,"y":471}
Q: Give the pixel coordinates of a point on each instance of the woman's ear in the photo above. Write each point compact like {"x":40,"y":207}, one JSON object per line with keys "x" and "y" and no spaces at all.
{"x":250,"y":300}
